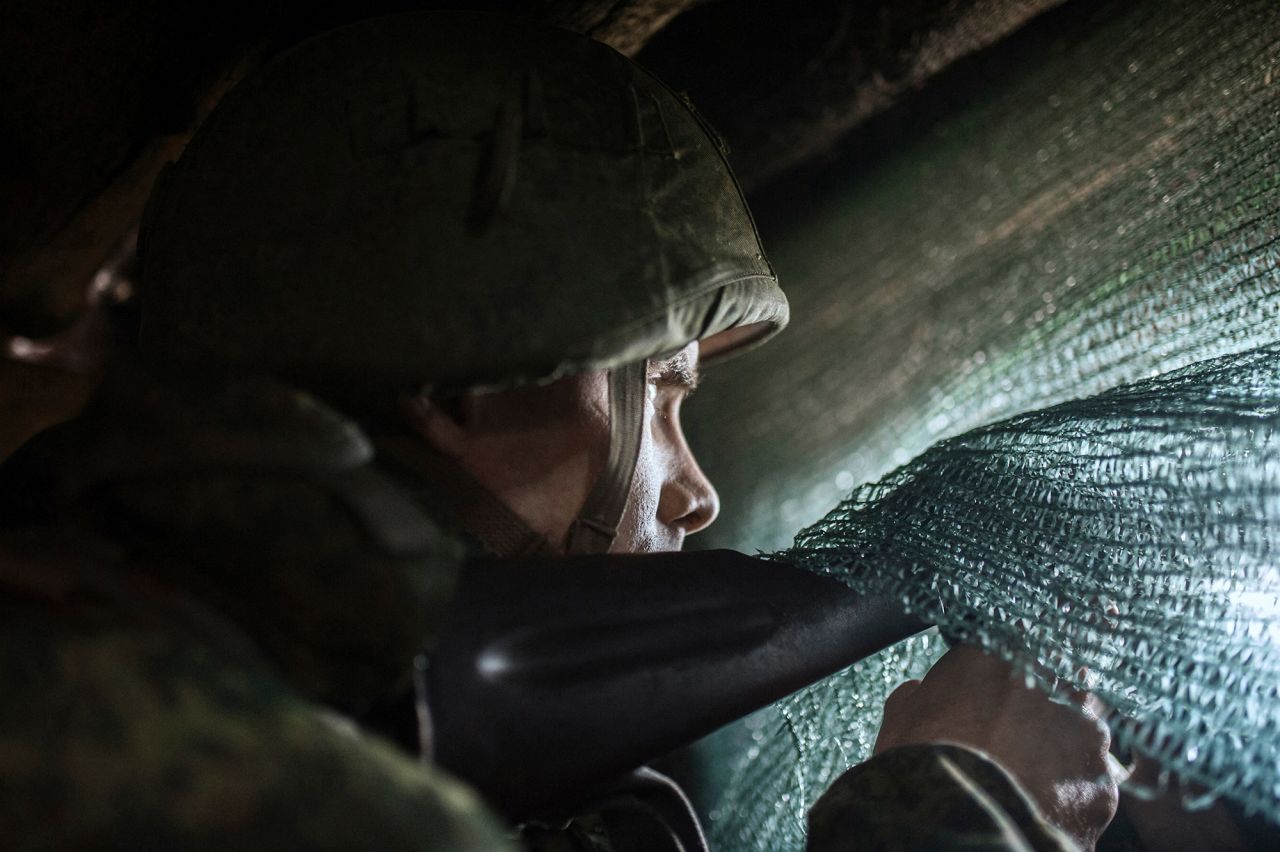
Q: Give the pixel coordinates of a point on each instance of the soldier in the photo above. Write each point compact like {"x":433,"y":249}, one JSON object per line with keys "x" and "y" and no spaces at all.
{"x":423,"y":288}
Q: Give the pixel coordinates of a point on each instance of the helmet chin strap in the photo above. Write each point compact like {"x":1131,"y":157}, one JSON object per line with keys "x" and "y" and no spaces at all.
{"x":596,"y":526}
{"x":501,"y":530}
{"x":437,"y":478}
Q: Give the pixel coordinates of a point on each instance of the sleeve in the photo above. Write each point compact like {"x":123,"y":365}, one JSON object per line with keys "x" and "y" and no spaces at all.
{"x":930,"y":797}
{"x":643,"y":811}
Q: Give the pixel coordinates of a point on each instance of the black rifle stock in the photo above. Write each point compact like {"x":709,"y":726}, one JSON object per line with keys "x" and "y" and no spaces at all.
{"x":552,"y":677}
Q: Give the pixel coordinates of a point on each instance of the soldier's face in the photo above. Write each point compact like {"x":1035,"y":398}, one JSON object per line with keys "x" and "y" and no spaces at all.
{"x":541,"y":449}
{"x":670,"y":495}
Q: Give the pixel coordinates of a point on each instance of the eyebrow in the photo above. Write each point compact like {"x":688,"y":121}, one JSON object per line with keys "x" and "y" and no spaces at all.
{"x":678,"y":372}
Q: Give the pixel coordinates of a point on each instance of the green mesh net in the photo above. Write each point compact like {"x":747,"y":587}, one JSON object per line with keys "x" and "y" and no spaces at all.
{"x":1134,"y":533}
{"x":1091,"y":238}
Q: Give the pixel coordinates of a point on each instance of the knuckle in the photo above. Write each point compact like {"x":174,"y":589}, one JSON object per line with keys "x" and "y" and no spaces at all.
{"x":902,"y":692}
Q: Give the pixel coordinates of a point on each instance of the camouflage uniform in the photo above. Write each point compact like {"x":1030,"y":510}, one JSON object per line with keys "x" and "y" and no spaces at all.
{"x":199,"y":580}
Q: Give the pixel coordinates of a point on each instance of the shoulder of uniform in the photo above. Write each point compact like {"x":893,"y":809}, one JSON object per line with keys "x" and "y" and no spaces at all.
{"x":151,"y":419}
{"x":132,"y":737}
{"x":264,"y":503}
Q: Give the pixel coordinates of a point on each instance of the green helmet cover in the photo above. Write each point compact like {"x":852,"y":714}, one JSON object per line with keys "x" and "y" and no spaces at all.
{"x":450,"y":200}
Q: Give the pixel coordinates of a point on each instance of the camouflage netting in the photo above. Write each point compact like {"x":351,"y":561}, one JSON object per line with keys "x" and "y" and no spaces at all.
{"x":1135,"y":533}
{"x":1091,"y":238}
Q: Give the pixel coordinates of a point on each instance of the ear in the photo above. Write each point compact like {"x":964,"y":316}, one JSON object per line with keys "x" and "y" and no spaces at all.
{"x":443,"y":427}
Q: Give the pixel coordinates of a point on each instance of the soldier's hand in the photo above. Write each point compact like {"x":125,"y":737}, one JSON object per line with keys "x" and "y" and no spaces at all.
{"x":1057,"y":752}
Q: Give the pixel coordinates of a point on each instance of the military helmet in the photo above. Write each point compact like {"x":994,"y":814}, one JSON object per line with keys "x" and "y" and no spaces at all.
{"x":451,"y":200}
{"x":456,"y":200}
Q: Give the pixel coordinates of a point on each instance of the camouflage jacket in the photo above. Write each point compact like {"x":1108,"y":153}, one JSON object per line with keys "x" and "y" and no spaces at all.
{"x":201,"y":580}
{"x":150,"y":722}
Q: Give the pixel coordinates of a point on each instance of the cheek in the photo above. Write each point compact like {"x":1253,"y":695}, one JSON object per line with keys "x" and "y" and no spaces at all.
{"x":646,"y":488}
{"x":578,"y":441}
{"x":638,"y":531}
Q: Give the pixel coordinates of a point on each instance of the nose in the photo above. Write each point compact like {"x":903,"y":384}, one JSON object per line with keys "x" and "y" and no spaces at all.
{"x":689,"y":501}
